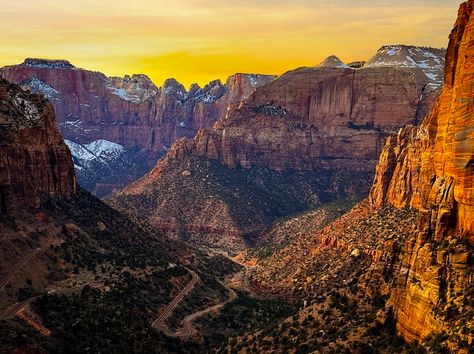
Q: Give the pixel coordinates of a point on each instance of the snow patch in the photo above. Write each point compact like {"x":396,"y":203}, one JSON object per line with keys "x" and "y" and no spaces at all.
{"x":37,"y":86}
{"x":102,"y":150}
{"x":27,"y":108}
{"x":123,"y":94}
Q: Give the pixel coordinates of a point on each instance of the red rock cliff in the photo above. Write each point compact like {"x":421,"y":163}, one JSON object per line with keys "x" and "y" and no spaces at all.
{"x":314,"y":117}
{"x":431,"y":169}
{"x":33,"y":157}
{"x":130,"y":111}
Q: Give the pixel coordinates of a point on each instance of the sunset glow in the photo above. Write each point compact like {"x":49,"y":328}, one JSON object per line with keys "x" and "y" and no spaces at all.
{"x":201,"y":40}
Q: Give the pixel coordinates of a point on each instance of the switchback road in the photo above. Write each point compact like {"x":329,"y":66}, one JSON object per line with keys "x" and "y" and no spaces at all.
{"x":159,"y":322}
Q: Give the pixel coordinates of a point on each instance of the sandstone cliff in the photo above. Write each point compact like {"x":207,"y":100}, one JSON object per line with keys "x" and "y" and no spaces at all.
{"x":130,"y":111}
{"x":322,"y":128}
{"x":411,"y":242}
{"x":142,"y":119}
{"x":314,"y":117}
{"x":33,"y":157}
{"x":430,"y":169}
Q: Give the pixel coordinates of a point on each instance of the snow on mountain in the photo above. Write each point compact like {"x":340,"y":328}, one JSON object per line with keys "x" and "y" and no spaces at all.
{"x":99,"y":150}
{"x":429,"y":60}
{"x":135,"y":88}
{"x":37,"y":86}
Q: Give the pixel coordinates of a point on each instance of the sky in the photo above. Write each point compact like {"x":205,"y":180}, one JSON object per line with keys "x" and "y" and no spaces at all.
{"x":202,"y":40}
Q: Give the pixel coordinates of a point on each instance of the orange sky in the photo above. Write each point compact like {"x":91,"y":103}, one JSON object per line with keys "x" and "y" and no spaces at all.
{"x":201,"y":40}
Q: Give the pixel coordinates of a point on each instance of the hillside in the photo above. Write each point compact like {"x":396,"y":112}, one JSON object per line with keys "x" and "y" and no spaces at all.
{"x":399,"y":263}
{"x":309,"y":137}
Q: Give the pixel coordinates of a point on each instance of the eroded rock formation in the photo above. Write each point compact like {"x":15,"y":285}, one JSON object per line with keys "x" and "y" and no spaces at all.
{"x":317,"y":131}
{"x":33,"y":157}
{"x":430,"y":169}
{"x":130,"y":111}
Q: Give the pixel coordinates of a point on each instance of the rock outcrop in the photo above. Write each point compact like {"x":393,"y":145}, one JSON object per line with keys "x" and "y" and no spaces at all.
{"x":143,"y":119}
{"x":34,"y":160}
{"x":430,"y":169}
{"x":329,"y":121}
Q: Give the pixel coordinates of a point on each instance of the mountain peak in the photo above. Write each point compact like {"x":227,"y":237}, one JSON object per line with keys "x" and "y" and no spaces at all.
{"x":332,"y":62}
{"x":47,"y":63}
{"x":429,"y":60}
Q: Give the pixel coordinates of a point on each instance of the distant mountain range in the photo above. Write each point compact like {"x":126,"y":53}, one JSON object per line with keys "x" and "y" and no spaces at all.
{"x":131,"y":111}
{"x":146,"y":120}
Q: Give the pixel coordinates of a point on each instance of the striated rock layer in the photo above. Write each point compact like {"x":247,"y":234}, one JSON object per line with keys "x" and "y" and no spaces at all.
{"x":143,"y":119}
{"x":325,"y":116}
{"x":314,"y":134}
{"x":33,"y":157}
{"x":130,"y":111}
{"x":431,"y":169}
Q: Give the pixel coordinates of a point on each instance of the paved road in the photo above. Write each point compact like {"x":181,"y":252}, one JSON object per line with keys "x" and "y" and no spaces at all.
{"x":187,"y":329}
{"x":159,"y":322}
{"x":17,"y":267}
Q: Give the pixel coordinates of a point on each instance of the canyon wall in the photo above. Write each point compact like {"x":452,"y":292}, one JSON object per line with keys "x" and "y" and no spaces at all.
{"x":319,"y":117}
{"x":130,"y":111}
{"x":34,"y":160}
{"x":430,"y":169}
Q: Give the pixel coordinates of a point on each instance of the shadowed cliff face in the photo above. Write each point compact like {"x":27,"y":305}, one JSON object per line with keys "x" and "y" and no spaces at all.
{"x":33,"y":157}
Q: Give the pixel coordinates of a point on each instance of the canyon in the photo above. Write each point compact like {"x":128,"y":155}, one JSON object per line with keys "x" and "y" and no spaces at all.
{"x":314,"y":134}
{"x":143,"y":119}
{"x":408,"y":247}
{"x":330,"y":209}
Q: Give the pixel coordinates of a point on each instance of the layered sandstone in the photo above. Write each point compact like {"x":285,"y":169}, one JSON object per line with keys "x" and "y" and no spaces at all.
{"x":314,"y":134}
{"x":130,"y":111}
{"x":326,"y":116}
{"x":431,"y":170}
{"x":34,"y":160}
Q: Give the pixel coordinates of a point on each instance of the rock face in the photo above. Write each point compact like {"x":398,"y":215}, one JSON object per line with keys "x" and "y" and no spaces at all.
{"x":431,"y":170}
{"x":429,"y":60}
{"x":413,"y":236}
{"x":131,"y":111}
{"x":324,"y":116}
{"x":314,"y":134}
{"x":33,"y":157}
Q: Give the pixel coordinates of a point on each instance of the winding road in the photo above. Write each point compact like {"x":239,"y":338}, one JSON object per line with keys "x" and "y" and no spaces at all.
{"x":159,"y":322}
{"x":187,"y":329}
